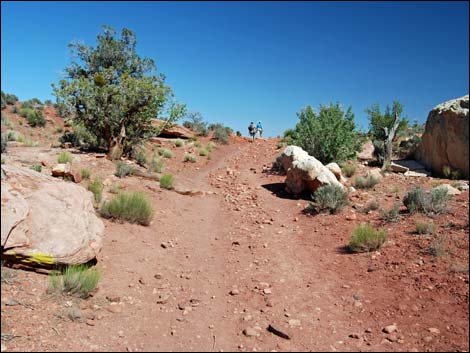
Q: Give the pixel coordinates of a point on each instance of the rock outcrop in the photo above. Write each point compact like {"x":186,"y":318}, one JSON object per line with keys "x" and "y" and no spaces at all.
{"x":367,"y":153}
{"x":304,"y":172}
{"x":173,"y":131}
{"x":46,"y":221}
{"x":445,"y":140}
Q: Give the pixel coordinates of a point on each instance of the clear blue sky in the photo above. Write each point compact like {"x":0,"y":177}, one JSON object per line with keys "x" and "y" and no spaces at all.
{"x":240,"y":61}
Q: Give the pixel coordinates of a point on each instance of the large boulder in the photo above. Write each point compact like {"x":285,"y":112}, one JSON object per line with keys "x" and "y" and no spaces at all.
{"x":445,"y":139}
{"x":173,"y":131}
{"x":304,"y":172}
{"x":46,"y":221}
{"x":367,"y":153}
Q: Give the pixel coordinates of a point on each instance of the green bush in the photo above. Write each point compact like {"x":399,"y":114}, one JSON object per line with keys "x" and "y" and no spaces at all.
{"x":371,"y":206}
{"x":165,"y":153}
{"x":36,"y":167}
{"x":64,"y":157}
{"x":330,"y":198}
{"x":348,"y":169}
{"x":26,"y":141}
{"x":132,"y":207}
{"x":156,"y":165}
{"x":141,"y":158}
{"x":210,"y":146}
{"x":166,"y":181}
{"x":221,"y":134}
{"x":80,"y":137}
{"x":85,"y":173}
{"x":25,"y":111}
{"x":197,"y":144}
{"x":123,"y":169}
{"x":35,"y":118}
{"x":8,"y":98}
{"x":281,"y":144}
{"x":365,"y":238}
{"x":96,"y":187}
{"x":76,"y":280}
{"x":424,"y":227}
{"x":179,"y":143}
{"x":366,"y":182}
{"x":11,"y":135}
{"x":15,"y":109}
{"x":329,"y":136}
{"x":59,"y":130}
{"x":196,"y":123}
{"x":190,"y":158}
{"x":392,"y":215}
{"x":239,"y":134}
{"x":446,"y":171}
{"x":203,"y":152}
{"x":431,"y":202}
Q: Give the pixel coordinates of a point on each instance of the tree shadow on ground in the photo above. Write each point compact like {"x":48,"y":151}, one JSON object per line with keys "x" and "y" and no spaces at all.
{"x":345,"y":250}
{"x":278,"y":189}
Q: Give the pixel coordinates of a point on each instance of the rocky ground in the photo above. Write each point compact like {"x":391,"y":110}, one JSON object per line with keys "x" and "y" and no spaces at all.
{"x":214,"y":271}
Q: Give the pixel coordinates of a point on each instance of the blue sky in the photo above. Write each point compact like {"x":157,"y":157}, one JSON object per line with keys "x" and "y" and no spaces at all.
{"x":240,"y":61}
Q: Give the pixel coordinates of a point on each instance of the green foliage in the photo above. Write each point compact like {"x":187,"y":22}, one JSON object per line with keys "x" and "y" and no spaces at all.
{"x":4,"y":144}
{"x":366,"y":182}
{"x":179,"y":143}
{"x":123,"y":169}
{"x":85,"y":173}
{"x":348,"y":169}
{"x":329,"y":136}
{"x":59,"y":130}
{"x":239,"y":134}
{"x":203,"y":152}
{"x":330,"y":198}
{"x":156,"y":165}
{"x":132,"y":207}
{"x":165,"y":153}
{"x":281,"y":144}
{"x":431,"y":202}
{"x":36,"y":167}
{"x":15,"y":109}
{"x":221,"y":133}
{"x":365,"y":238}
{"x":391,"y":215}
{"x":196,"y":123}
{"x":3,"y":159}
{"x":210,"y":146}
{"x":35,"y":118}
{"x":26,"y":141}
{"x":80,"y":137}
{"x":449,"y":173}
{"x":8,"y":98}
{"x":64,"y":157}
{"x":140,"y":157}
{"x":379,"y":121}
{"x":110,"y":90}
{"x":371,"y":206}
{"x":423,"y":227}
{"x":166,"y":181}
{"x":96,"y":187}
{"x":76,"y":280}
{"x":190,"y":158}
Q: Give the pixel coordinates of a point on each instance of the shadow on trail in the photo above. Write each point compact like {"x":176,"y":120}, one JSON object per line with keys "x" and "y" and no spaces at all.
{"x":278,"y":189}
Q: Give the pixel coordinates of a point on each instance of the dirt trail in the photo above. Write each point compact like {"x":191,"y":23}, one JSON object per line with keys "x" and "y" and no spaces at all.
{"x":240,"y":258}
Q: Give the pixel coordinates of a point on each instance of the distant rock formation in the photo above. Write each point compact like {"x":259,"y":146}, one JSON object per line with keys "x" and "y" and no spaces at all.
{"x":46,"y":221}
{"x":173,"y":131}
{"x":445,"y":140}
{"x":304,"y":172}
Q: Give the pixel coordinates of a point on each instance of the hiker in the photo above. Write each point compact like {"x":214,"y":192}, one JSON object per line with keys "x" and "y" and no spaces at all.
{"x":259,"y":127}
{"x":252,"y":130}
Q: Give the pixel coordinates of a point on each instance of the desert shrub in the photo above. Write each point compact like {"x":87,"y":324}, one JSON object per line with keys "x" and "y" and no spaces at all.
{"x":59,"y":130}
{"x":446,"y":171}
{"x":450,"y":173}
{"x":423,"y":227}
{"x":365,"y":238}
{"x":35,"y":118}
{"x":431,"y":202}
{"x":64,"y":157}
{"x":4,"y":144}
{"x":140,"y":157}
{"x":329,"y":136}
{"x":156,"y":164}
{"x":85,"y":173}
{"x":190,"y":158}
{"x":132,"y":207}
{"x":196,"y":123}
{"x":239,"y":134}
{"x":48,"y":103}
{"x":26,"y":141}
{"x":371,"y":206}
{"x":221,"y":134}
{"x":36,"y":167}
{"x":11,"y":135}
{"x":123,"y":169}
{"x":75,"y":280}
{"x":3,"y":160}
{"x":197,"y":144}
{"x":80,"y":137}
{"x":8,"y":98}
{"x":96,"y":187}
{"x":203,"y":152}
{"x":438,"y":246}
{"x":331,"y":198}
{"x":391,"y":215}
{"x":166,"y":181}
{"x":348,"y":169}
{"x":15,"y":109}
{"x":115,"y":188}
{"x":165,"y":153}
{"x":24,"y":111}
{"x":281,"y":144}
{"x":210,"y":146}
{"x":366,"y":182}
{"x":179,"y":143}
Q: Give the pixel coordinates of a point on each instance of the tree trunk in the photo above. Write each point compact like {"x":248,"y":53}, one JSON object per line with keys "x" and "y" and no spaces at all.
{"x":389,"y":136}
{"x":116,"y":145}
